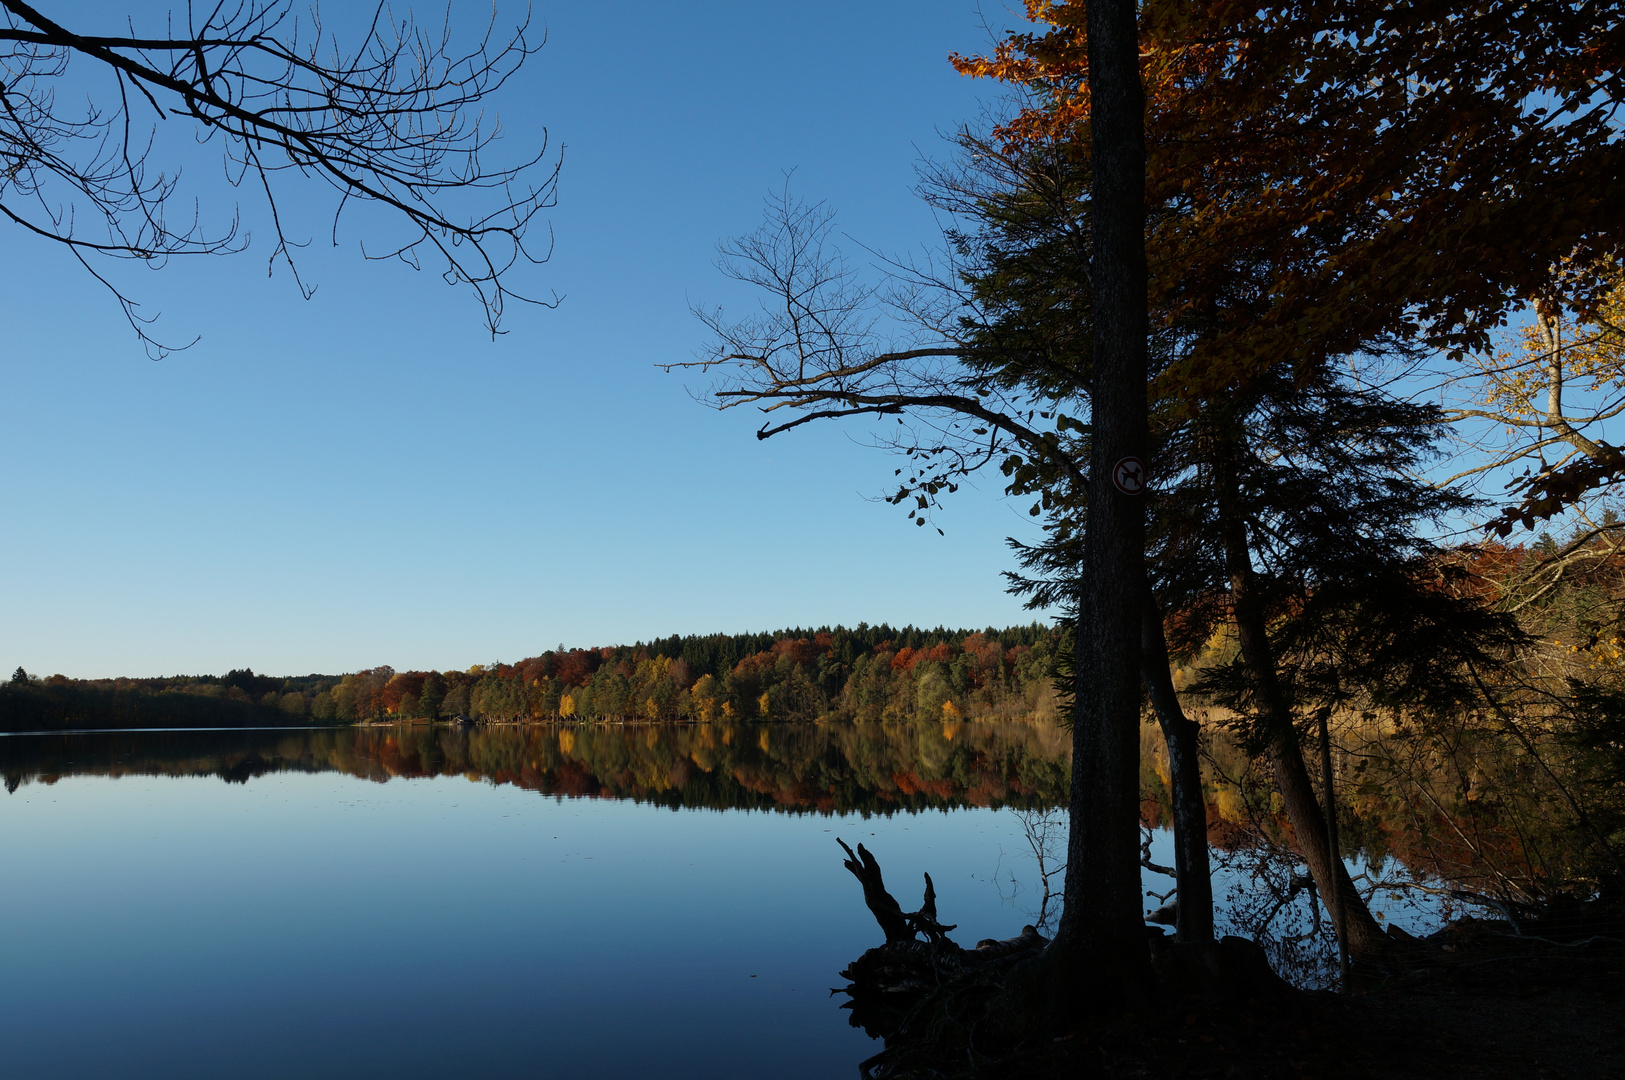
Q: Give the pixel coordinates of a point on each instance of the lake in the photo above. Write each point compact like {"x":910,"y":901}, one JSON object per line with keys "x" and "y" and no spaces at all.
{"x":553,"y":901}
{"x":547,"y":901}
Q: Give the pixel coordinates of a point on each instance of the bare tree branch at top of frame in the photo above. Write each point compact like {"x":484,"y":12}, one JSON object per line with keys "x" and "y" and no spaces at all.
{"x":394,"y":120}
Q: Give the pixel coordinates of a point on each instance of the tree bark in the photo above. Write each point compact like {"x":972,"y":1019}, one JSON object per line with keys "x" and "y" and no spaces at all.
{"x":1101,"y":941}
{"x":1365,"y":940}
{"x":1193,"y":873}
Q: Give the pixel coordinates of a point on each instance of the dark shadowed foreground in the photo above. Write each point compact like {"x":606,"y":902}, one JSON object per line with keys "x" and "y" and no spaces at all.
{"x":1534,"y":994}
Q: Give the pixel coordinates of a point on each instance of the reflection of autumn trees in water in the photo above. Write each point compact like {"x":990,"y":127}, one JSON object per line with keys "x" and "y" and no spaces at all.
{"x":1401,"y":798}
{"x":1470,"y":809}
{"x":830,"y":768}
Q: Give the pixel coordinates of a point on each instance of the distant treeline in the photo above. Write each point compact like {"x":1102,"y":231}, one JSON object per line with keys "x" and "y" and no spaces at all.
{"x":869,"y":673}
{"x":236,"y":699}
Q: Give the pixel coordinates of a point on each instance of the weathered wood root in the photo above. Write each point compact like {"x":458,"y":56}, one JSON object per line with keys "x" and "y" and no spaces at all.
{"x":895,"y":923}
{"x":944,"y":1010}
{"x":910,"y":992}
{"x":926,"y":999}
{"x":901,"y":968}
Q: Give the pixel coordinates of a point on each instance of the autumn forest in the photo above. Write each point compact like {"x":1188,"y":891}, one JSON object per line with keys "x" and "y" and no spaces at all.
{"x":868,"y":673}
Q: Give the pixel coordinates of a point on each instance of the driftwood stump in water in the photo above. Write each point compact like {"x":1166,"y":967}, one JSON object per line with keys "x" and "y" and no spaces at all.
{"x":945,"y":1010}
{"x":895,"y":923}
{"x":905,"y":990}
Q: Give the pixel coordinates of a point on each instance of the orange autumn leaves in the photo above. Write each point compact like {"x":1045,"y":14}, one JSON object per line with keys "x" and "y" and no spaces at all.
{"x":1327,"y":178}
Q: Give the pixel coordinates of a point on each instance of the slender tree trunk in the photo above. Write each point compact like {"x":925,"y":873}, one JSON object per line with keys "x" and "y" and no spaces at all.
{"x":1101,"y":941}
{"x":1365,"y":940}
{"x":1194,"y":875}
{"x":1328,"y":789}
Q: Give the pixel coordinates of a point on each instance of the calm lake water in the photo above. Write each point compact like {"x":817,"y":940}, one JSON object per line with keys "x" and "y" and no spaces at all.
{"x":545,"y":902}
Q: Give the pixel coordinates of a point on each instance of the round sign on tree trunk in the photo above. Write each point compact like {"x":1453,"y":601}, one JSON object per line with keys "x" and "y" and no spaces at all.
{"x":1128,"y":476}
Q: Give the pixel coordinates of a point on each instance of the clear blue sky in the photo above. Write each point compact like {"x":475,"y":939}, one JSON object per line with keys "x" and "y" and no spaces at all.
{"x":366,"y":478}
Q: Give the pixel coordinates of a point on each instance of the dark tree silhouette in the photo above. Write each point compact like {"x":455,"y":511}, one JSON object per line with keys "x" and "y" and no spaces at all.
{"x":1100,"y":941}
{"x":393,"y":119}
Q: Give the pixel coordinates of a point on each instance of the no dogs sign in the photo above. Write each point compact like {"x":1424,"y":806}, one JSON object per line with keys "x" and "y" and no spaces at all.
{"x":1128,"y":476}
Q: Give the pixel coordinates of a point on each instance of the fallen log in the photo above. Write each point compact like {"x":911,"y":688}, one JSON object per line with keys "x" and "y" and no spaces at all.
{"x":1028,"y":940}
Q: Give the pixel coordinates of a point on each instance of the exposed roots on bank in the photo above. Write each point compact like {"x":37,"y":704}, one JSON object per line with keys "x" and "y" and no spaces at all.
{"x":1525,"y":997}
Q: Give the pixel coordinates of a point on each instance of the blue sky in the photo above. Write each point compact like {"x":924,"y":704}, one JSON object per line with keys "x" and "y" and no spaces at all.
{"x":366,"y":478}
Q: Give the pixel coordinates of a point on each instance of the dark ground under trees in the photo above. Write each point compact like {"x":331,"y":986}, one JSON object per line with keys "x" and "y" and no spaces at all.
{"x":1490,"y":1013}
{"x":1487,"y":1010}
{"x":1537,"y":997}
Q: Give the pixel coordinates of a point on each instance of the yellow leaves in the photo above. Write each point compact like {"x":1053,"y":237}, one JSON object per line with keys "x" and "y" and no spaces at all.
{"x":1555,"y":351}
{"x":567,"y":706}
{"x":1601,"y":655}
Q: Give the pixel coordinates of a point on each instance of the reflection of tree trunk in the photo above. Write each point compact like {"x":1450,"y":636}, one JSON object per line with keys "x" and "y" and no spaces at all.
{"x":1365,"y":941}
{"x":1193,"y":875}
{"x":1100,"y":948}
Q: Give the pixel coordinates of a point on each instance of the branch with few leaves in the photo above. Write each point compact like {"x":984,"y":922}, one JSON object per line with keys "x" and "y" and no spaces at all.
{"x":824,"y":345}
{"x":395,"y":121}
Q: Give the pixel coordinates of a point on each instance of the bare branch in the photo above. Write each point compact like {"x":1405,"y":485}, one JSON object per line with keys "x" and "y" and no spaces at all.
{"x":396,"y":121}
{"x":824,"y":344}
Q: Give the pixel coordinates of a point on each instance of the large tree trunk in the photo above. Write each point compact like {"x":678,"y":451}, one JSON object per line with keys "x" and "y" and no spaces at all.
{"x":1193,"y":874}
{"x":1100,"y":945}
{"x":1364,"y":939}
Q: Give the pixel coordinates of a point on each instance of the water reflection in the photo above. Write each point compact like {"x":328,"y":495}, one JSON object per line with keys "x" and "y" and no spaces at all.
{"x":258,"y":903}
{"x":182,"y":919}
{"x":798,"y":768}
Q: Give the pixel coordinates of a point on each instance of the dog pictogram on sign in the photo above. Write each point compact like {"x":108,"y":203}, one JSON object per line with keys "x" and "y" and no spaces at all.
{"x":1128,"y":476}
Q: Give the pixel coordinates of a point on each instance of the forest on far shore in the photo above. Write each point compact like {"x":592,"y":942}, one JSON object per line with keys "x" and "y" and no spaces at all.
{"x":865,"y":673}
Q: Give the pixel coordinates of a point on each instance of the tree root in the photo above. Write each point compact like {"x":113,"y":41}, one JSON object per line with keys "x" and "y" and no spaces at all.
{"x":947,"y":1011}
